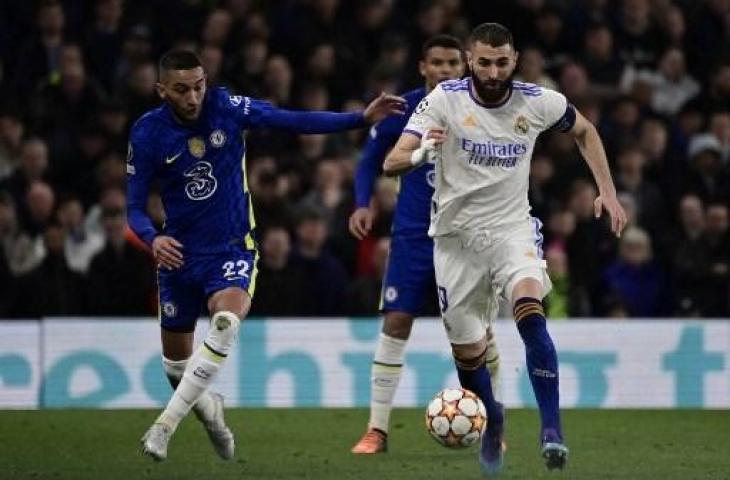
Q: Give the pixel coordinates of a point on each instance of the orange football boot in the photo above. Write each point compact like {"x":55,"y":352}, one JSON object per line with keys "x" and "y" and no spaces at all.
{"x":374,"y":441}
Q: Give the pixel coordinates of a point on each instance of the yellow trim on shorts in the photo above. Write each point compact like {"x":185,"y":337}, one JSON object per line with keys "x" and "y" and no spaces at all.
{"x":254,"y":272}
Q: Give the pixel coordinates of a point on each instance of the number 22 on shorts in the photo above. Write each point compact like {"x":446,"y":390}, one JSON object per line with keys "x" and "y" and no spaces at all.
{"x":235,"y":270}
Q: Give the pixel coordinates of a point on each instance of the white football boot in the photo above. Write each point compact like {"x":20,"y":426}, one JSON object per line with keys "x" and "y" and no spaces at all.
{"x":155,"y":440}
{"x":220,"y":435}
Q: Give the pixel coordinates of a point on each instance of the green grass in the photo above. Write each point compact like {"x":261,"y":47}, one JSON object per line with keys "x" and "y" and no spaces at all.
{"x":314,"y":444}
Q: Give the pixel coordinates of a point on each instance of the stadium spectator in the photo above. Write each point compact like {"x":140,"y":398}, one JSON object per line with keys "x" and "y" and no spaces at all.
{"x":80,"y":244}
{"x":670,"y":84}
{"x":119,"y":263}
{"x":689,"y":258}
{"x":103,"y":41}
{"x":324,"y":293}
{"x":37,"y":56}
{"x":542,"y":185}
{"x":708,"y":176}
{"x":40,"y":202}
{"x":649,"y":200}
{"x":52,"y":288}
{"x":278,"y":78}
{"x":11,"y":137}
{"x":532,"y":69}
{"x":566,"y":299}
{"x":717,"y":243}
{"x":22,"y":252}
{"x":600,"y":60}
{"x":278,"y":276}
{"x":720,"y":128}
{"x":636,"y":279}
{"x":590,"y":246}
{"x":363,"y":296}
{"x":638,"y":40}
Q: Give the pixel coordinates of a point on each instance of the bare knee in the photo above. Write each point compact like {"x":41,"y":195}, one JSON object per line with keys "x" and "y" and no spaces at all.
{"x":471,"y":355}
{"x":233,"y":299}
{"x":398,"y":325}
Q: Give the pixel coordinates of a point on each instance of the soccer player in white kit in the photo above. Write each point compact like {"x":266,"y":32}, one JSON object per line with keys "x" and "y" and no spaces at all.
{"x":480,"y":132}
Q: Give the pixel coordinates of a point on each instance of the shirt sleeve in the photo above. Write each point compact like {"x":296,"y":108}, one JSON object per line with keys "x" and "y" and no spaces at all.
{"x":429,"y":113}
{"x":558,"y":113}
{"x":140,"y":171}
{"x":251,"y":113}
{"x":380,"y":140}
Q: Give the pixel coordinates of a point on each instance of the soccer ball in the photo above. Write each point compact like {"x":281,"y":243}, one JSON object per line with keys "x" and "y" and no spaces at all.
{"x":456,"y":418}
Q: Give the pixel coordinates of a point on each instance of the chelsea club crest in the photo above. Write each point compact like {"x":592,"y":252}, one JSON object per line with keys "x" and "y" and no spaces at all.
{"x":218,"y":138}
{"x":196,"y":145}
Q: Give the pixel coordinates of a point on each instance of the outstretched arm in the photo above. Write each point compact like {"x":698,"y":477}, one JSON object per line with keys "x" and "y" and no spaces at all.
{"x":328,"y":122}
{"x":590,"y":145}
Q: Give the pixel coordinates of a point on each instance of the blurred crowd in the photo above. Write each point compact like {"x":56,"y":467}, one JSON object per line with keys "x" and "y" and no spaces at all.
{"x":652,"y":75}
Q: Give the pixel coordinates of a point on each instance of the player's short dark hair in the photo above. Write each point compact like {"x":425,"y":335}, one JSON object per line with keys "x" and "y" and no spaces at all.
{"x":179,"y":59}
{"x":443,"y":41}
{"x":494,"y":34}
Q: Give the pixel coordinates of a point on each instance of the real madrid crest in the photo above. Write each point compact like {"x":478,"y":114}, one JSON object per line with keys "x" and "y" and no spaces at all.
{"x":217,"y":138}
{"x":521,"y":125}
{"x":196,"y":145}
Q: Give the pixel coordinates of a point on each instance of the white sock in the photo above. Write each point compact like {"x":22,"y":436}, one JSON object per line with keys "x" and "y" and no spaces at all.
{"x":384,"y":378}
{"x":199,"y":373}
{"x":204,"y":408}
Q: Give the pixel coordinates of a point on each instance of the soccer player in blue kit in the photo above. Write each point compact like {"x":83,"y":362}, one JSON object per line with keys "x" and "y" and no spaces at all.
{"x":409,"y":281}
{"x":193,"y":146}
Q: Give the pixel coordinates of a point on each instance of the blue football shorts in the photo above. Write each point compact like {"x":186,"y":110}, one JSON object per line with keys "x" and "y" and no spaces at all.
{"x":184,"y":292}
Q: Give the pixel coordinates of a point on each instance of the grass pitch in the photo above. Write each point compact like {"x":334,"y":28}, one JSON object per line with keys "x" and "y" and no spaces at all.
{"x":315,"y":444}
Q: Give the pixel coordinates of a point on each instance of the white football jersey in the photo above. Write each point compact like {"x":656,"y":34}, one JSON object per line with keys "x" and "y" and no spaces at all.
{"x":482,"y":173}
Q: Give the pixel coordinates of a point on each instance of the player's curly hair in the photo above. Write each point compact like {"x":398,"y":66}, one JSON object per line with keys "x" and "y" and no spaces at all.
{"x":494,"y":34}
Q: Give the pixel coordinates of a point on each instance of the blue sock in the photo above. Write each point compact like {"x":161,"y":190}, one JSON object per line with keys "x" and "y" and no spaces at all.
{"x":542,"y":362}
{"x":479,"y":382}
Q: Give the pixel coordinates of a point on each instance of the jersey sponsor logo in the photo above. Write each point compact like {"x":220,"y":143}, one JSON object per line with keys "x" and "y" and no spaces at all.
{"x":469,"y":121}
{"x":493,"y":154}
{"x":235,"y":100}
{"x":521,"y":125}
{"x":169,"y":160}
{"x":391,"y":294}
{"x":202,"y":183}
{"x":169,"y":309}
{"x":421,"y":107}
{"x":196,"y":145}
{"x":218,"y":138}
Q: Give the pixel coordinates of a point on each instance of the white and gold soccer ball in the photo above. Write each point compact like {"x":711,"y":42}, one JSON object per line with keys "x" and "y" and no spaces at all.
{"x":456,"y":418}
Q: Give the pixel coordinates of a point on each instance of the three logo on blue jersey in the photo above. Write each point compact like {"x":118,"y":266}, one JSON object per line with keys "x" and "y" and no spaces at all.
{"x":202,"y":183}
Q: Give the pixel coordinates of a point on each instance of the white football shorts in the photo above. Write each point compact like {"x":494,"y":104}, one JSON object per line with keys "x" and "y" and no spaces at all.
{"x":474,"y":269}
